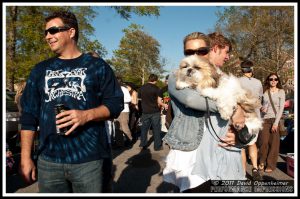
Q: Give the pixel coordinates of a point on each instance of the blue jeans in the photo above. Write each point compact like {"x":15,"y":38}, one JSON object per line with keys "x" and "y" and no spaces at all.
{"x":148,"y":120}
{"x":70,"y":178}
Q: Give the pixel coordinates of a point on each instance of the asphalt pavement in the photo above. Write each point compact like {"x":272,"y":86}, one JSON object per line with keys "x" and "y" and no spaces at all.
{"x":140,"y":171}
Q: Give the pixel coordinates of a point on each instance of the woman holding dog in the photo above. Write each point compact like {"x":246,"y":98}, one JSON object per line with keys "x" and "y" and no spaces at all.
{"x":269,"y":139}
{"x":195,"y":157}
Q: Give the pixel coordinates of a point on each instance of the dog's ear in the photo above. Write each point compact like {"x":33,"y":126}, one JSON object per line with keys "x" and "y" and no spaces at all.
{"x":178,"y":83}
{"x":216,"y":76}
{"x":249,"y":102}
{"x":211,"y":76}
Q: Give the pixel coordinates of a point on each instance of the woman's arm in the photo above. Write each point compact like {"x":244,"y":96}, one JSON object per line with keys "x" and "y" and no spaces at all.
{"x":134,"y":99}
{"x":281,"y":101}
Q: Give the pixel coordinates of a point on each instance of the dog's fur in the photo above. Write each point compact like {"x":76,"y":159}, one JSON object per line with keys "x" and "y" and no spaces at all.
{"x":197,"y":73}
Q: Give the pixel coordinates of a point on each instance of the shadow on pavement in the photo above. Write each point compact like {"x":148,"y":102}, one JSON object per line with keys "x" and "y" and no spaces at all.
{"x":166,"y":187}
{"x":136,"y":177}
{"x":282,"y":166}
{"x":13,"y":183}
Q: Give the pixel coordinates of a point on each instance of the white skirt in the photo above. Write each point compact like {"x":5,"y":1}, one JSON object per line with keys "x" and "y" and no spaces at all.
{"x":178,"y":170}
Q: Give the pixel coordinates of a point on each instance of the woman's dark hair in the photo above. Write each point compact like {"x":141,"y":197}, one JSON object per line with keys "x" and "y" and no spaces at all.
{"x":267,"y":82}
{"x":68,"y":18}
{"x":132,"y":85}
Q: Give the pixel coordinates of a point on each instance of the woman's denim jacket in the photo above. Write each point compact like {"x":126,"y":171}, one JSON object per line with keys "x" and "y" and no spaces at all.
{"x":186,"y":129}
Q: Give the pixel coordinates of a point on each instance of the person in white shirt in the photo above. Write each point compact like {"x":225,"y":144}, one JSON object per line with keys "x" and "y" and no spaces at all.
{"x":255,"y":86}
{"x":122,"y":122}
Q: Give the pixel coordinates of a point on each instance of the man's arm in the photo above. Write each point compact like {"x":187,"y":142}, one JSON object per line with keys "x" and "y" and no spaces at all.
{"x":189,"y":97}
{"x":80,"y":117}
{"x":160,"y":103}
{"x":111,"y":105}
{"x":27,"y":167}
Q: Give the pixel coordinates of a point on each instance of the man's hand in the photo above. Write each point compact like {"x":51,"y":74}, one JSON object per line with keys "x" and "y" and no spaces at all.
{"x":238,"y":118}
{"x":73,"y":118}
{"x":28,"y":170}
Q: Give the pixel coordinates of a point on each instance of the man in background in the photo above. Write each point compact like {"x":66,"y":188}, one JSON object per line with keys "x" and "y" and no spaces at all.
{"x":151,"y":100}
{"x":255,"y":87}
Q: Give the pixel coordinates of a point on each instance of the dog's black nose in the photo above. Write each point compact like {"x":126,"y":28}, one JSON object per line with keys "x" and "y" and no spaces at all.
{"x":188,"y":72}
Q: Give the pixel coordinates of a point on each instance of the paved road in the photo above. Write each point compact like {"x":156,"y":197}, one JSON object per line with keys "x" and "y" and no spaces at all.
{"x":137,"y":171}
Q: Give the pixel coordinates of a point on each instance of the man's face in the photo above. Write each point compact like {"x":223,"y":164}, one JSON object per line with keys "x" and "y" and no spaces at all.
{"x":196,"y":44}
{"x":58,"y":40}
{"x":219,"y":55}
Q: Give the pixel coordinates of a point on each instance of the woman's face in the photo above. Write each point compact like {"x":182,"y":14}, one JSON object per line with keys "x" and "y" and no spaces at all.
{"x":273,"y":79}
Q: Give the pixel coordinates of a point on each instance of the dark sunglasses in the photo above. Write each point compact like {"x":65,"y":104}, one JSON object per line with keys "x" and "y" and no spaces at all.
{"x":53,"y":30}
{"x":273,"y":79}
{"x":200,"y":51}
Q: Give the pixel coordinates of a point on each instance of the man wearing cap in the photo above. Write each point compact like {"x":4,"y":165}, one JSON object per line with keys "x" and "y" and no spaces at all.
{"x":255,"y":87}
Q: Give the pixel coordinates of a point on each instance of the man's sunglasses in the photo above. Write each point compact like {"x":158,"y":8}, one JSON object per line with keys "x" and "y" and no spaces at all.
{"x":200,"y":51}
{"x":273,"y":79}
{"x":53,"y":30}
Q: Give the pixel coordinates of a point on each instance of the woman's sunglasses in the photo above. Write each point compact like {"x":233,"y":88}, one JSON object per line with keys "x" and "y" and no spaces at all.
{"x":200,"y":51}
{"x":273,"y":79}
{"x":53,"y":30}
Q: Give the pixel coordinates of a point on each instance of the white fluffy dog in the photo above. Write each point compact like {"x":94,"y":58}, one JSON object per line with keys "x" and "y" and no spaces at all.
{"x":226,"y":90}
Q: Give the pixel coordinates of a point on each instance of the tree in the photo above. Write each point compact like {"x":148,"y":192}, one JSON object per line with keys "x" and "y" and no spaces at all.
{"x":11,"y":42}
{"x":137,"y":56}
{"x":263,"y":34}
{"x":25,"y":28}
{"x":125,"y":11}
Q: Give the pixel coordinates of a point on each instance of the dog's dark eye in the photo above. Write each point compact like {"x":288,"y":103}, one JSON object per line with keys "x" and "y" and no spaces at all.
{"x":197,"y":67}
{"x":183,"y":66}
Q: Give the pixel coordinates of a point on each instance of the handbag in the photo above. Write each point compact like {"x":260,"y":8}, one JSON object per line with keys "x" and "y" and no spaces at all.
{"x":281,"y":128}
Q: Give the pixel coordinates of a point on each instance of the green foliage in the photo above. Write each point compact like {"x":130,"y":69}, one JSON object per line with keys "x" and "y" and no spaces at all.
{"x":125,"y":11}
{"x":137,"y":56}
{"x":25,"y":34}
{"x":263,"y":34}
{"x":26,"y":45}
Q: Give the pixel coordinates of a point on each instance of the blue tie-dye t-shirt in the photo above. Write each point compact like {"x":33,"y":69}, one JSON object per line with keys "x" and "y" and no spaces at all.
{"x":82,"y":83}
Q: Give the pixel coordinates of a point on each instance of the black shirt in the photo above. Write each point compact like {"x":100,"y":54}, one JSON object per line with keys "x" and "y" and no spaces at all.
{"x":149,"y":94}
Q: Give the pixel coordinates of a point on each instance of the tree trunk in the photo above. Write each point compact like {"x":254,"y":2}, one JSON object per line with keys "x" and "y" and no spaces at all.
{"x":143,"y":78}
{"x":11,"y":45}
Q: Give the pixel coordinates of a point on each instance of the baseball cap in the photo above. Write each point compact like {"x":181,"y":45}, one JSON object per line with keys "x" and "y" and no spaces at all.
{"x":247,"y":66}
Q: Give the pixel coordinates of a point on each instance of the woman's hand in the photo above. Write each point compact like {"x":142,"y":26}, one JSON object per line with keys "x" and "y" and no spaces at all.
{"x":263,"y":109}
{"x":274,"y":128}
{"x":229,"y":139}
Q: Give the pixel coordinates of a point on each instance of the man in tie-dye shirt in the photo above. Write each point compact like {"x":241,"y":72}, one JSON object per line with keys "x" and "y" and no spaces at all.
{"x":87,"y":86}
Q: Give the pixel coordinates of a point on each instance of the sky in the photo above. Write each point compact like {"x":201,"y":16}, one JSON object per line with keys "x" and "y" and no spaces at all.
{"x":169,"y":29}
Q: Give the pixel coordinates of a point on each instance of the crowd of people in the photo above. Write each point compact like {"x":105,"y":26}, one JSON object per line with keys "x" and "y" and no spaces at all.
{"x":104,"y":112}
